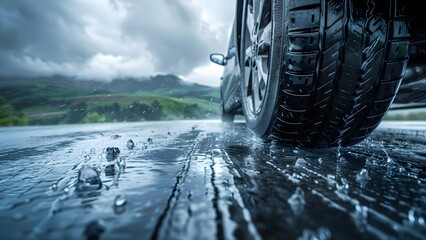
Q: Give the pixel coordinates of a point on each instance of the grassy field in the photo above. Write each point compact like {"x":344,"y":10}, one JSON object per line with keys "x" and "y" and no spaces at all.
{"x":41,"y":104}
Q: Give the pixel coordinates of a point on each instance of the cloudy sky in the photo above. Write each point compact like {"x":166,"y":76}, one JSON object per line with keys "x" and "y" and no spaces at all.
{"x":105,"y":39}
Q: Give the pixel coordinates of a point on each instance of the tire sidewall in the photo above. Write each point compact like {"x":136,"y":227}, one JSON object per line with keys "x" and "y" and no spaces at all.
{"x":262,"y":122}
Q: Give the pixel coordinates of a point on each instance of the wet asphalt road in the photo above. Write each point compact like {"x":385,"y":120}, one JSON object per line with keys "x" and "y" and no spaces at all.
{"x":206,"y":180}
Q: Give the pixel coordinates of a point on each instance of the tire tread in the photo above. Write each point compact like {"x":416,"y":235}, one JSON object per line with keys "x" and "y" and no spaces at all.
{"x":341,"y":72}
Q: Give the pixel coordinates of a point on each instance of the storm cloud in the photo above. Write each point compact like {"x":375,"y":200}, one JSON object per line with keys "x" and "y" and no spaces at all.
{"x":116,"y":38}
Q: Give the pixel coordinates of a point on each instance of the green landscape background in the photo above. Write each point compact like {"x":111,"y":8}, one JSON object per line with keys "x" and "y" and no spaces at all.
{"x":62,"y":100}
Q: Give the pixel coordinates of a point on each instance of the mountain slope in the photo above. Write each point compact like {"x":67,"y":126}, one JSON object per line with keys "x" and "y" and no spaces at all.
{"x":58,"y":99}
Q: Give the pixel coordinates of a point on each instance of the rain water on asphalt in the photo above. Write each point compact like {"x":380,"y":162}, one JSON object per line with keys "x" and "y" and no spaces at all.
{"x":208,"y":180}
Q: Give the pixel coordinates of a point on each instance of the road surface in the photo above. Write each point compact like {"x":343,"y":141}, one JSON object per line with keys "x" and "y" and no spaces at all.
{"x":208,"y":180}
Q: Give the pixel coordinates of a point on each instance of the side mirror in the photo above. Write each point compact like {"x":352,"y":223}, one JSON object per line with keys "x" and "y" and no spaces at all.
{"x":218,"y":58}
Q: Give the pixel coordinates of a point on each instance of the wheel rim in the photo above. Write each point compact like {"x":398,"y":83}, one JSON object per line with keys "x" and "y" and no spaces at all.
{"x":257,"y":48}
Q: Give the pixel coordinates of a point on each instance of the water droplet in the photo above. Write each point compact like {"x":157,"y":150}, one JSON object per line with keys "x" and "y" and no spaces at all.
{"x":362,"y":175}
{"x":144,"y":146}
{"x":402,"y":170}
{"x":308,"y":234}
{"x":343,"y":186}
{"x":216,"y":153}
{"x":321,"y":234}
{"x":225,"y":183}
{"x":297,"y":201}
{"x":295,"y":151}
{"x":324,"y":233}
{"x":331,"y":180}
{"x":19,"y":217}
{"x":94,"y":229}
{"x":300,"y":162}
{"x":65,"y":193}
{"x":119,"y":201}
{"x":110,"y":170}
{"x":92,"y":151}
{"x":130,"y":144}
{"x":360,"y":217}
{"x":390,"y":160}
{"x":54,"y":187}
{"x":112,"y":153}
{"x":416,"y":217}
{"x":119,"y":204}
{"x":338,"y":151}
{"x":115,"y":136}
{"x":320,"y":160}
{"x":88,"y":179}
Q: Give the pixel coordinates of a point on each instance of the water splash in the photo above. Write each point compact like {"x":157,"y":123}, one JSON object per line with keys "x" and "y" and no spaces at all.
{"x":362,"y":176}
{"x":144,"y":146}
{"x":389,"y":160}
{"x":54,"y":187}
{"x":112,"y":153}
{"x":110,"y":170}
{"x":119,"y":201}
{"x":321,"y":234}
{"x":123,"y":162}
{"x":119,"y":204}
{"x":130,"y":144}
{"x":66,"y":193}
{"x":360,"y":217}
{"x":115,"y":136}
{"x":88,"y":179}
{"x":300,"y":162}
{"x":92,"y":151}
{"x":343,"y":186}
{"x":297,"y":201}
{"x":94,"y":229}
{"x":416,"y":216}
{"x":331,"y":180}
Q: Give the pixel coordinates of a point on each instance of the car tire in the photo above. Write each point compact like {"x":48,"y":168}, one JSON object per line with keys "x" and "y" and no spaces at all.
{"x":227,"y":117}
{"x":329,"y":71}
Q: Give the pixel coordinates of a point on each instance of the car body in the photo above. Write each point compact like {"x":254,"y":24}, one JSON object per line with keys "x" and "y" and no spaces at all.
{"x":402,"y":29}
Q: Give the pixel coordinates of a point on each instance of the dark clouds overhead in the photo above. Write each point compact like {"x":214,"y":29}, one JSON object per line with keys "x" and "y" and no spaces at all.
{"x":173,"y":33}
{"x":108,"y":39}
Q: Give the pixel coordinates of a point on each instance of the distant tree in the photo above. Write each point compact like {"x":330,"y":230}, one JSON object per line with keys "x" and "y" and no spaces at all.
{"x":8,"y":116}
{"x":94,"y":117}
{"x":112,"y":113}
{"x":116,"y":113}
{"x":135,"y":112}
{"x":155,"y":111}
{"x":77,"y":112}
{"x":191,"y":111}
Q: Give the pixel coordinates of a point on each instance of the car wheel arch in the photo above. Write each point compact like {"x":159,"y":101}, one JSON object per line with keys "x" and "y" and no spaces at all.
{"x":238,"y":21}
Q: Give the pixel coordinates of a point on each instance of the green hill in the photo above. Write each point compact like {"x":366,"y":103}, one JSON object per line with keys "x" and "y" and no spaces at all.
{"x":62,"y":100}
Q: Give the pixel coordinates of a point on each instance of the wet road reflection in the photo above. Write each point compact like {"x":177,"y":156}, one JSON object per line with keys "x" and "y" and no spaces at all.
{"x":207,"y":180}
